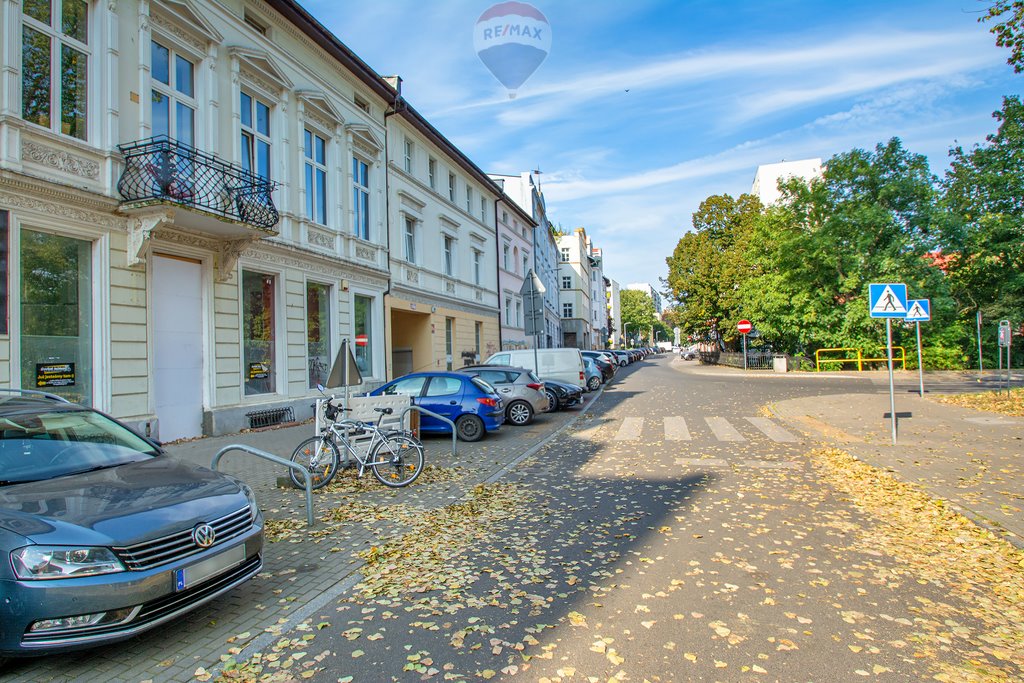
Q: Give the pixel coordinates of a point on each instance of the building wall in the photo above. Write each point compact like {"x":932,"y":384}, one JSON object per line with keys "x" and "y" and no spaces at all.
{"x":575,"y":270}
{"x":766,"y":179}
{"x":515,"y":260}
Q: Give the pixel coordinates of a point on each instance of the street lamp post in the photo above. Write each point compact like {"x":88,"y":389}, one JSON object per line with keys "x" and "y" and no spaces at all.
{"x":625,"y":334}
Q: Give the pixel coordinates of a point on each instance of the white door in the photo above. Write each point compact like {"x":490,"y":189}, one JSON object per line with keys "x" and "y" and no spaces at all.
{"x":178,"y":341}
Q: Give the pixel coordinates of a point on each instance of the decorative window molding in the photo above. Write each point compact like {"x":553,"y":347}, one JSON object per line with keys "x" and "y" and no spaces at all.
{"x":319,"y":110}
{"x":260,"y":69}
{"x":183,"y":20}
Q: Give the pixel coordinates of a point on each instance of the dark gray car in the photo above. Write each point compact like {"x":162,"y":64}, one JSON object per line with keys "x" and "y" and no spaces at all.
{"x":520,"y":389}
{"x":102,"y":535}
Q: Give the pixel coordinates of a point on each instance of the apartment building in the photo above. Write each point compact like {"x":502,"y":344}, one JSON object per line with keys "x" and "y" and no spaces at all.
{"x":515,"y":261}
{"x":598,"y":298}
{"x":193,"y":214}
{"x":524,"y":189}
{"x":442,"y":309}
{"x":614,"y":314}
{"x":574,"y":292}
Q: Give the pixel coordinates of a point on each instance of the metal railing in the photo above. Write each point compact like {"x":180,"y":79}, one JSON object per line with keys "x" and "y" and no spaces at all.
{"x":859,"y":359}
{"x":280,"y":461}
{"x":434,"y":415}
{"x":162,"y":169}
{"x":756,"y":360}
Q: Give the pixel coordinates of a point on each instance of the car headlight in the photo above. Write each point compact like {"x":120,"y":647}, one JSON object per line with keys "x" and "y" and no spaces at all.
{"x":62,"y":562}
{"x":251,"y":497}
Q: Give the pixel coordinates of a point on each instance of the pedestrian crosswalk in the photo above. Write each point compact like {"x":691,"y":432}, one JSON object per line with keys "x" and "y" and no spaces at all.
{"x":676,"y":429}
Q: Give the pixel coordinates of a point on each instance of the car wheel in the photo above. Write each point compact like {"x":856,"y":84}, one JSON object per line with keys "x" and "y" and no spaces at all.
{"x":594,"y":383}
{"x":552,"y":400}
{"x":519,"y":413}
{"x":470,"y":428}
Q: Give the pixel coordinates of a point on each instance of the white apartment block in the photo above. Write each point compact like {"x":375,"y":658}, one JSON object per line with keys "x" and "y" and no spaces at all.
{"x":651,"y":292}
{"x":574,"y":272}
{"x":615,"y":314}
{"x":194,"y":213}
{"x":515,"y":261}
{"x":768,"y":176}
{"x":442,"y":308}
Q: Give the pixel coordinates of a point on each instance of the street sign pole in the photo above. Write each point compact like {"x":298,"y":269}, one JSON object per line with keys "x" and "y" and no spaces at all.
{"x":744,"y":352}
{"x":892,"y":391}
{"x":1005,"y":340}
{"x":981,"y":364}
{"x":920,"y":365}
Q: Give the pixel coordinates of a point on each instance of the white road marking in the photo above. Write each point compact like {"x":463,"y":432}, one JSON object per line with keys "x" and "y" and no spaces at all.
{"x":701,"y":462}
{"x":723,"y":430}
{"x":630,"y":429}
{"x":676,"y":430}
{"x":772,"y":430}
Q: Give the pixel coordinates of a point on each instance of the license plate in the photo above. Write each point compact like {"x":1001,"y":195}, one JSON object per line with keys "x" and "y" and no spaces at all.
{"x":211,"y":566}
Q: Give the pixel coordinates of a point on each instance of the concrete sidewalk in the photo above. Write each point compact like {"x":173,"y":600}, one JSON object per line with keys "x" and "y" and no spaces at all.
{"x":972,"y":459}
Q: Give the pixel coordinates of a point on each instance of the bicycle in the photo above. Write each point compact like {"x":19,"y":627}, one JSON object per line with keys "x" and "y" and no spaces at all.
{"x":394,"y":456}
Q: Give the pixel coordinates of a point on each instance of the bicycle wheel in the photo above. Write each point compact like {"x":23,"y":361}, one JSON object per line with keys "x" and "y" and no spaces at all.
{"x":319,"y":455}
{"x":398,"y":461}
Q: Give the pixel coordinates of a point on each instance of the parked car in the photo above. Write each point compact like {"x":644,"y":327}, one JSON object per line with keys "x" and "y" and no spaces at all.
{"x":622,"y":356}
{"x":606,"y":363}
{"x":471,"y":403}
{"x":520,"y":389}
{"x":102,"y":534}
{"x":594,"y":377}
{"x":562,"y":395}
{"x":689,"y":352}
{"x":565,"y":365}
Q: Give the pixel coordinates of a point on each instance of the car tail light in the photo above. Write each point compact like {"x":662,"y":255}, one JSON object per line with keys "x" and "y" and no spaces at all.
{"x":582,"y":377}
{"x":535,"y":386}
{"x":489,"y":402}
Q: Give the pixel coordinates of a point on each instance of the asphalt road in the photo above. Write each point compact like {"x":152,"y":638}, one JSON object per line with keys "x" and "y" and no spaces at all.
{"x":677,"y":534}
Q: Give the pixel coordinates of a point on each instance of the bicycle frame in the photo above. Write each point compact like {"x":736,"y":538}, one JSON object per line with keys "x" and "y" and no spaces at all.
{"x":338,"y":432}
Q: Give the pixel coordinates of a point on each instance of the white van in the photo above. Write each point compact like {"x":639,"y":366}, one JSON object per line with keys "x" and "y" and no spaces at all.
{"x":564,"y":365}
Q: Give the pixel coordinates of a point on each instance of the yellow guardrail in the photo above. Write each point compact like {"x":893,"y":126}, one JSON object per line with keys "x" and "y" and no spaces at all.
{"x":859,"y":359}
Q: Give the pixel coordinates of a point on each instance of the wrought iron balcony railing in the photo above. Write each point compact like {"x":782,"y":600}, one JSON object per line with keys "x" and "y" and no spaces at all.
{"x":162,"y":169}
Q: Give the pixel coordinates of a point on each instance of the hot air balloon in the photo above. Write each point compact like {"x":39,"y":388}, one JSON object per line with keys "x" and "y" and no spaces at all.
{"x":512,"y":39}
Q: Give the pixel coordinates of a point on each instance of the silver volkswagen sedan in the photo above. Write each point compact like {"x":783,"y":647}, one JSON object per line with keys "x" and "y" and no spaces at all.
{"x":102,"y":535}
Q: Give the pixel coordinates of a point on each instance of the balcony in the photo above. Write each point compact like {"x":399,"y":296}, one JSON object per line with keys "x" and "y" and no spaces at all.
{"x":162,"y":171}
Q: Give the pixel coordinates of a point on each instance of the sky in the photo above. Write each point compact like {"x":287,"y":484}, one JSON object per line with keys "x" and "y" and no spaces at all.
{"x":642,"y":109}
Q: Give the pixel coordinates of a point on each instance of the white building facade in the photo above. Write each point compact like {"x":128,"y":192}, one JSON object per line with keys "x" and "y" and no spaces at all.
{"x":194,"y":216}
{"x":574,"y":292}
{"x":767,"y":177}
{"x":515,"y":261}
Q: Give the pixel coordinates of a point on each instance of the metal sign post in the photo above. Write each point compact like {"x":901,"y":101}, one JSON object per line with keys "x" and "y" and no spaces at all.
{"x":1005,"y":341}
{"x":888,"y":300}
{"x":744,"y":327}
{"x":533,"y":290}
{"x":919,"y":311}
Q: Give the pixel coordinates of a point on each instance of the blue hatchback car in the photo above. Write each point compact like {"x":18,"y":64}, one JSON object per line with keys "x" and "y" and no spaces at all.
{"x":471,"y":403}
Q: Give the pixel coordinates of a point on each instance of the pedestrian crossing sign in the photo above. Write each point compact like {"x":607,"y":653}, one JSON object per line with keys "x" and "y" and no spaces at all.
{"x":918,"y":311}
{"x":887,"y":300}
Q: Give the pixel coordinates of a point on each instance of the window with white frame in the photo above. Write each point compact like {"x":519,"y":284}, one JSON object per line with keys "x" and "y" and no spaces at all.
{"x":477,"y":263}
{"x":508,"y":310}
{"x":432,"y":173}
{"x":565,"y":254}
{"x":410,"y":239}
{"x":452,"y":184}
{"x":566,"y":282}
{"x":469,"y":199}
{"x":255,"y":135}
{"x":316,"y":177}
{"x":172,"y":94}
{"x":55,"y":65}
{"x":259,"y":334}
{"x":483,"y":209}
{"x":449,"y":255}
{"x":519,"y":313}
{"x":361,"y":198}
{"x":566,"y":310}
{"x":504,"y":217}
{"x":526,"y":263}
{"x":504,"y":257}
{"x":408,"y":155}
{"x":515,"y":260}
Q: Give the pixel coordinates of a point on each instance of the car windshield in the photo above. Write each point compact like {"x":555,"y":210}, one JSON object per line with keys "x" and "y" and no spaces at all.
{"x":37,"y":445}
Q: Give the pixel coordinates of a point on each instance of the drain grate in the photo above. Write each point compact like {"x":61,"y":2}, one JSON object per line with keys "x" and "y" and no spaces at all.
{"x":269,"y":418}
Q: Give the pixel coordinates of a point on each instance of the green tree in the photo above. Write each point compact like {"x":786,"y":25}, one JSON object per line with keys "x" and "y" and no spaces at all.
{"x":984,"y":234}
{"x":871,"y":217}
{"x":637,"y":311}
{"x":1008,"y":29}
{"x":709,"y":266}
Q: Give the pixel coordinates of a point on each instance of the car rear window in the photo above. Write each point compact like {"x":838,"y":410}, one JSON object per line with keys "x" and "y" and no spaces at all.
{"x":483,"y":385}
{"x":533,"y":376}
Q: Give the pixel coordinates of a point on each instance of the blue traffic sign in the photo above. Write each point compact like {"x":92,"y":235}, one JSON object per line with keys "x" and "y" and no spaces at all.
{"x":887,"y":300}
{"x":918,"y":311}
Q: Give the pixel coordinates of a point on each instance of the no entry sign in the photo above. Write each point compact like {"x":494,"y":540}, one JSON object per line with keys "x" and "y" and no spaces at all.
{"x":744,"y":326}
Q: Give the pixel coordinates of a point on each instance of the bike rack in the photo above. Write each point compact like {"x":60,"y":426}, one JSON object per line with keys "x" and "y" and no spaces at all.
{"x":431,"y":413}
{"x":280,"y":461}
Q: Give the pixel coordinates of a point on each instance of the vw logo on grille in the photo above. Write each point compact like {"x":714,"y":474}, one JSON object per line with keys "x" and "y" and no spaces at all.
{"x":204,"y":535}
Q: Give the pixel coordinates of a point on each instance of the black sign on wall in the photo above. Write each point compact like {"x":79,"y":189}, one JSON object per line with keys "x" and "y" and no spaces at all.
{"x":55,"y":375}
{"x":3,"y":272}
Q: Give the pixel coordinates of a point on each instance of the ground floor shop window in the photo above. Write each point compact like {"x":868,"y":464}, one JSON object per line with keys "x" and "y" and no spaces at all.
{"x":258,"y":334}
{"x":318,"y":332}
{"x":362,"y":325}
{"x":56,"y":315}
{"x":449,"y":324}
